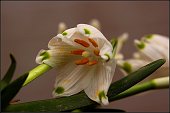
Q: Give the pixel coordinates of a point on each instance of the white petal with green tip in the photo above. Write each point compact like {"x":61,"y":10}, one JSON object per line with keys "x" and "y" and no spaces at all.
{"x":131,"y":65}
{"x":99,"y":85}
{"x":158,"y":39}
{"x":148,"y":50}
{"x":70,"y":80}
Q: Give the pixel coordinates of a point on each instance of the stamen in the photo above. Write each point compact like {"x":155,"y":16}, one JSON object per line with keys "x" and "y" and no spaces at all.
{"x":82,"y":61}
{"x":96,"y":52}
{"x":93,"y":42}
{"x":82,"y":42}
{"x":77,"y":52}
{"x":92,"y":63}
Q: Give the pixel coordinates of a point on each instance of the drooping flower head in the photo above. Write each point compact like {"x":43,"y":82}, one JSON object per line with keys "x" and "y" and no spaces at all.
{"x":150,"y":48}
{"x":85,"y":60}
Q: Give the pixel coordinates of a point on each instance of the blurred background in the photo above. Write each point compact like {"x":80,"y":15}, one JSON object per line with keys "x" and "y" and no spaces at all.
{"x":27,"y":26}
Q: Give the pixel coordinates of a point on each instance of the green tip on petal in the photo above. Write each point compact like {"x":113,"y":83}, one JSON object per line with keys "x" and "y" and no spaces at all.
{"x":108,"y":57}
{"x":86,"y":31}
{"x":64,"y":33}
{"x":140,"y":44}
{"x":59,"y":90}
{"x":127,"y":67}
{"x":149,"y":36}
{"x":102,"y":95}
{"x":45,"y":55}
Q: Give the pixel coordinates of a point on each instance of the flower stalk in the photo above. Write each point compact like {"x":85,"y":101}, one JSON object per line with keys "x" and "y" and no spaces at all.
{"x":158,"y":83}
{"x":36,"y":72}
{"x":162,"y":82}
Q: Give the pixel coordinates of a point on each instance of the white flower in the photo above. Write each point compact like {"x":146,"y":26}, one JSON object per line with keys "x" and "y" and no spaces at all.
{"x":85,"y":61}
{"x":150,"y":48}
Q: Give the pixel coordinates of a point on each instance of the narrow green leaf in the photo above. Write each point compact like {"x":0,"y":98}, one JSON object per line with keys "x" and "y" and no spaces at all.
{"x":133,"y":78}
{"x":73,"y":102}
{"x":11,"y":90}
{"x":52,"y":105}
{"x":8,"y":76}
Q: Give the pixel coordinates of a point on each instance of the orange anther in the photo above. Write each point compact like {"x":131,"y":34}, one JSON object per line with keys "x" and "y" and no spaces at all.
{"x":82,"y":61}
{"x":92,"y":63}
{"x":82,"y":42}
{"x":93,"y":42}
{"x":77,"y":52}
{"x":96,"y":52}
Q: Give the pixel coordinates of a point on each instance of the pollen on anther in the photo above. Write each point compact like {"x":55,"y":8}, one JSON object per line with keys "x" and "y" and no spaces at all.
{"x":82,"y":42}
{"x":96,"y":52}
{"x":82,"y":61}
{"x":77,"y":52}
{"x":93,"y":42}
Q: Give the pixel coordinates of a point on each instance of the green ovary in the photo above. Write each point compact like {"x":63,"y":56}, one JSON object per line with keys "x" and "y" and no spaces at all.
{"x":59,"y":90}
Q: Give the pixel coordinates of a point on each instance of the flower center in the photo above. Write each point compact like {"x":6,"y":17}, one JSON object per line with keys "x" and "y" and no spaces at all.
{"x":90,"y":56}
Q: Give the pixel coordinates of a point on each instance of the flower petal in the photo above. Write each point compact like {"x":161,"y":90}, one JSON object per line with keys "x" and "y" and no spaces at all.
{"x":66,"y":36}
{"x":59,"y":42}
{"x":148,"y":50}
{"x":121,"y":40}
{"x":99,"y":85}
{"x":72,"y":79}
{"x":131,"y":65}
{"x":157,"y":39}
{"x":59,"y":54}
{"x":106,"y":52}
{"x":140,"y":55}
{"x":69,"y":32}
{"x":90,"y":31}
{"x":104,"y":45}
{"x":162,"y":51}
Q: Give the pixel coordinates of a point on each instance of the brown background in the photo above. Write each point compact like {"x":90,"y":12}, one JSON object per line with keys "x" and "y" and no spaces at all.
{"x":26,"y":27}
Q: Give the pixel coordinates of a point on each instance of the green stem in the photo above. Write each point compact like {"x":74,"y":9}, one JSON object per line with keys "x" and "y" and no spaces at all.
{"x":159,"y":83}
{"x":36,"y":72}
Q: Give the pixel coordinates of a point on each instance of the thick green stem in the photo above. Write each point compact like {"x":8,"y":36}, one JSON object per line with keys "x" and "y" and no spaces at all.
{"x":36,"y":72}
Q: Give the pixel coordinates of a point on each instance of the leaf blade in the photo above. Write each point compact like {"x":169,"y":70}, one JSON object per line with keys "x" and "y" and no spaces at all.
{"x":134,"y":78}
{"x":11,"y":90}
{"x":8,"y":76}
